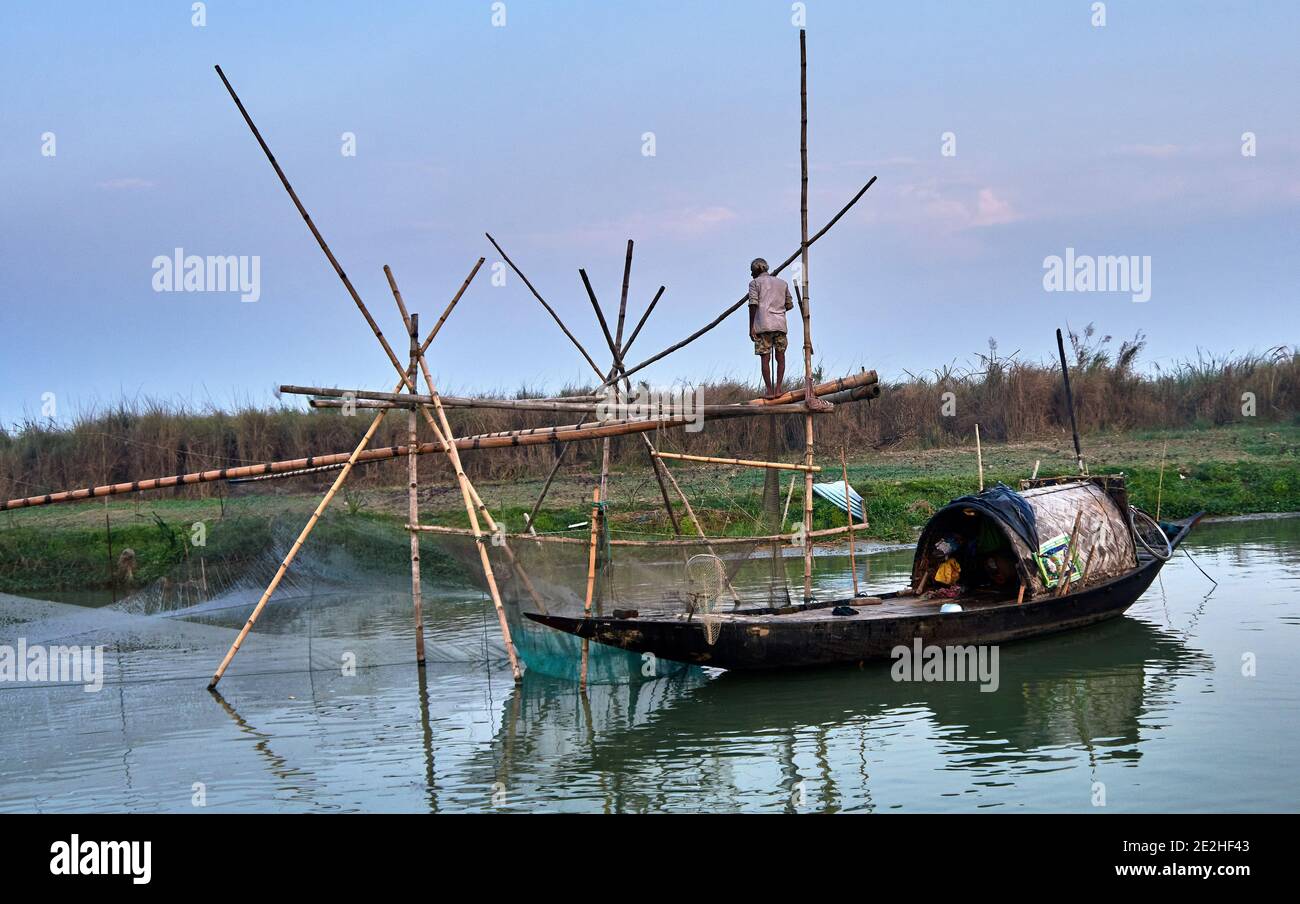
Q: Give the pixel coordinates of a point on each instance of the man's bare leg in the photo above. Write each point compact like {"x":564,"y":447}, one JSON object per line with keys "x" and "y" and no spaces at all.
{"x":780,"y":371}
{"x":767,"y":375}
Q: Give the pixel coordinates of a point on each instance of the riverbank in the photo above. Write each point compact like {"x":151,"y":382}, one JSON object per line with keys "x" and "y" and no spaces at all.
{"x":1225,"y":471}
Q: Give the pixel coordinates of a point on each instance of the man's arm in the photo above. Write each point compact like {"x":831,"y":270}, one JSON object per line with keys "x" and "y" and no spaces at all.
{"x":753,"y":305}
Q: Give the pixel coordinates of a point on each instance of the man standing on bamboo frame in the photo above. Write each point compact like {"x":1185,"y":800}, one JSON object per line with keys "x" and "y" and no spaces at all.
{"x":769,"y":299}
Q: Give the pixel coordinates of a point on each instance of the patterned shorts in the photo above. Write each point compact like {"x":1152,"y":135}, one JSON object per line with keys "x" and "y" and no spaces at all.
{"x":765,"y":342}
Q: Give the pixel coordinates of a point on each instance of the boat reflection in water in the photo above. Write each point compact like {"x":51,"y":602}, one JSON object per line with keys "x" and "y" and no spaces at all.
{"x":823,"y":739}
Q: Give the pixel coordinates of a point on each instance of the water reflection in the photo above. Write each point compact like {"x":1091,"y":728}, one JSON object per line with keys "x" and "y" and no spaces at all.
{"x":1154,"y":705}
{"x":1099,"y":690}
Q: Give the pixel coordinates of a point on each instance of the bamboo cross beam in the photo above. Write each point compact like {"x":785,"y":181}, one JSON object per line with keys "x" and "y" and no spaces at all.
{"x":406,"y":400}
{"x":509,"y":439}
{"x":293,"y":551}
{"x":859,"y":380}
{"x":536,"y":436}
{"x":742,"y":462}
{"x":745,"y":298}
{"x":363,"y":398}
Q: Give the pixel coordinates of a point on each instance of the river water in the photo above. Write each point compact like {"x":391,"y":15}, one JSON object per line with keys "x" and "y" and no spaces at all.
{"x":1188,"y":703}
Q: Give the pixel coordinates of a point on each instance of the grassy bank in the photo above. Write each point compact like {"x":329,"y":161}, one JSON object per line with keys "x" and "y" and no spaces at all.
{"x":1225,"y":470}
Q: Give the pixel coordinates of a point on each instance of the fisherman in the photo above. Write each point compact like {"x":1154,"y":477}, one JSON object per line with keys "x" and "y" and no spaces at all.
{"x":769,"y":299}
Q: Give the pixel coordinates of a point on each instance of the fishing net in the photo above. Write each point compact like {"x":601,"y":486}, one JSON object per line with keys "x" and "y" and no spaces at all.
{"x":645,"y":574}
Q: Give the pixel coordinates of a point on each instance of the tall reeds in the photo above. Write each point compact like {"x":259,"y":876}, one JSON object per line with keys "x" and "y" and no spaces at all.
{"x":1012,"y":400}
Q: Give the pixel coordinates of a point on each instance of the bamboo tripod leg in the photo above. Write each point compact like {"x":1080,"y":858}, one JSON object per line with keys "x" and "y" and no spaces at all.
{"x":466,"y":491}
{"x":293,"y":550}
{"x":444,"y":436}
{"x":591,"y":583}
{"x":413,"y":503}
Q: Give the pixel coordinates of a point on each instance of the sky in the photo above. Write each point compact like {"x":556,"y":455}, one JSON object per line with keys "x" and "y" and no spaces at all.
{"x":1001,"y":134}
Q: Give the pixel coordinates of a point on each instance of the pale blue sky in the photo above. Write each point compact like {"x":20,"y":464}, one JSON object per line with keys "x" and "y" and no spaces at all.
{"x":1117,"y":140}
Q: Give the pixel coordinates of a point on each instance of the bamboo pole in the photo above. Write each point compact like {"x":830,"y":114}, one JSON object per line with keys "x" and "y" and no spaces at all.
{"x":365,"y":398}
{"x":805,"y":305}
{"x":616,"y":351}
{"x":334,"y":397}
{"x":591,"y":580}
{"x":554,"y":436}
{"x":858,"y":380}
{"x":744,"y":299}
{"x":743,"y":462}
{"x":979,"y":456}
{"x":537,"y":295}
{"x":473,"y":504}
{"x":1069,"y":402}
{"x":444,"y":446}
{"x":536,"y":436}
{"x":1160,"y":489}
{"x":859,"y":385}
{"x":293,"y":551}
{"x":622,"y":301}
{"x":1067,"y":573}
{"x":320,"y":239}
{"x":848,"y":508}
{"x":324,"y":503}
{"x":785,"y":513}
{"x":600,"y":315}
{"x":824,"y":533}
{"x":413,"y":499}
{"x":627,"y":346}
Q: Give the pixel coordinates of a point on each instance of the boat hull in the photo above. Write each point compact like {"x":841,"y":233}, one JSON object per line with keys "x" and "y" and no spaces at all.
{"x":767,"y":642}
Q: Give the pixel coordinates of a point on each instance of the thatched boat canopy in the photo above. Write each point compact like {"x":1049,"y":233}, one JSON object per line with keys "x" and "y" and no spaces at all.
{"x":1025,"y":526}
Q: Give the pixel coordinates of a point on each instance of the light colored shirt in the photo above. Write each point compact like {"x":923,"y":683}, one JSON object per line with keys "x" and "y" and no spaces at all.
{"x":771,"y":295}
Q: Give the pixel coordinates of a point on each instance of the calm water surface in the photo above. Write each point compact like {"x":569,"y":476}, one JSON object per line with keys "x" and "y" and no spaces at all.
{"x":1152,"y":709}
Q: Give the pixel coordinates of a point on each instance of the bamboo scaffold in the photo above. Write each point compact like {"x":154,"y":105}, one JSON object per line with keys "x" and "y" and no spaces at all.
{"x":591,"y":421}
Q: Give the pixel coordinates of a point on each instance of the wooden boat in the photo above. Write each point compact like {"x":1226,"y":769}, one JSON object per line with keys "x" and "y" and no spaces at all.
{"x":812,"y":635}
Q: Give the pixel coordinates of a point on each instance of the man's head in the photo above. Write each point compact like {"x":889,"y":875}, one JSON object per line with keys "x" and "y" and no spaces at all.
{"x":757,"y":267}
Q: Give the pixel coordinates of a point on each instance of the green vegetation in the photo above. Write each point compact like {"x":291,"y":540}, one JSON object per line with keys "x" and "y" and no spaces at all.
{"x":1226,"y":471}
{"x":52,"y":550}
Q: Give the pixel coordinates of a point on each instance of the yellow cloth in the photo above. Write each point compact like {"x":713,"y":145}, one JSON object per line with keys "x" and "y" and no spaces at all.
{"x":948,"y":572}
